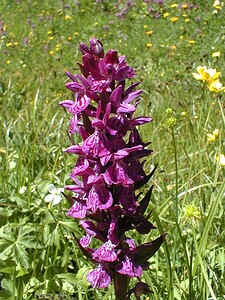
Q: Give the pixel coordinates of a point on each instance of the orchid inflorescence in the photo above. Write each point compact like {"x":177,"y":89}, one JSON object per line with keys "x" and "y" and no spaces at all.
{"x":108,"y":170}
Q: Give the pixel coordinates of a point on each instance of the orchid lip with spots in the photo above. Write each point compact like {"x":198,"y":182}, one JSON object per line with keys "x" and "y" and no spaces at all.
{"x":108,"y":170}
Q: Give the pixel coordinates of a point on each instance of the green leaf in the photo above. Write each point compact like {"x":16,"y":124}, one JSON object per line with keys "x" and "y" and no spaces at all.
{"x":70,"y":224}
{"x":29,"y":242}
{"x":50,"y":272}
{"x":65,"y":256}
{"x":21,"y":256}
{"x":22,"y":272}
{"x":5,"y":250}
{"x":7,"y":236}
{"x":7,"y":284}
{"x":55,"y":237}
{"x":68,"y":277}
{"x":4,"y":295}
{"x":81,"y":276}
{"x":7,"y":266}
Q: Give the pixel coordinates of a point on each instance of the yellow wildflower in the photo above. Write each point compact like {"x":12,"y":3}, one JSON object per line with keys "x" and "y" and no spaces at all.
{"x":150,"y":32}
{"x":216,"y":86}
{"x":174,"y":5}
{"x":9,"y":44}
{"x":211,"y":137}
{"x":216,"y":54}
{"x":169,"y":187}
{"x":216,"y":2}
{"x":149,"y":45}
{"x":205,"y":74}
{"x":184,"y":5}
{"x":51,"y":52}
{"x":213,"y":74}
{"x":191,"y":213}
{"x":174,"y":19}
{"x":68,"y":17}
{"x":216,"y":132}
{"x":166,"y":14}
{"x":145,"y":26}
{"x":191,"y":42}
{"x":221,"y":159}
{"x":8,"y":62}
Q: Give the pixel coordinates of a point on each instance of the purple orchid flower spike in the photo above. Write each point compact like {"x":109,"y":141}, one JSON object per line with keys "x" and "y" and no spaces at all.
{"x":108,"y":171}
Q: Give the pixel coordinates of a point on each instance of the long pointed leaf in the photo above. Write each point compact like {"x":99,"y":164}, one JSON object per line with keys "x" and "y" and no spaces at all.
{"x":147,"y":250}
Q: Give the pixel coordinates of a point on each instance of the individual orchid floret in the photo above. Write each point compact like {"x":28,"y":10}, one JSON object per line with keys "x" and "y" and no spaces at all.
{"x":128,"y":267}
{"x":99,"y":277}
{"x":77,"y":211}
{"x":105,"y":253}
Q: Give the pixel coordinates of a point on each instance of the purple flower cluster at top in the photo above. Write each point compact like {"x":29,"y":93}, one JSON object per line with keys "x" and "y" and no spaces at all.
{"x":108,"y":169}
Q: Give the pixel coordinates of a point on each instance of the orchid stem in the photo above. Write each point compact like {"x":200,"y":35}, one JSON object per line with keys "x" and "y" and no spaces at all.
{"x":120,"y":286}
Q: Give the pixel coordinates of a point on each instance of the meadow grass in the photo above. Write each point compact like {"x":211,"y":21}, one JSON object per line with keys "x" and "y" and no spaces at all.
{"x":164,"y":44}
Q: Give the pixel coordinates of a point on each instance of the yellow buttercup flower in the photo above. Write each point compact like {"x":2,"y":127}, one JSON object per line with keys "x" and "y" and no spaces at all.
{"x":216,"y":132}
{"x":150,"y":32}
{"x":166,"y":14}
{"x":174,"y":19}
{"x":213,"y":74}
{"x":216,"y":54}
{"x":174,"y":5}
{"x":221,"y":159}
{"x":216,"y":2}
{"x":216,"y":86}
{"x":205,"y":74}
{"x":149,"y":45}
{"x":211,"y":137}
{"x":201,"y":75}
